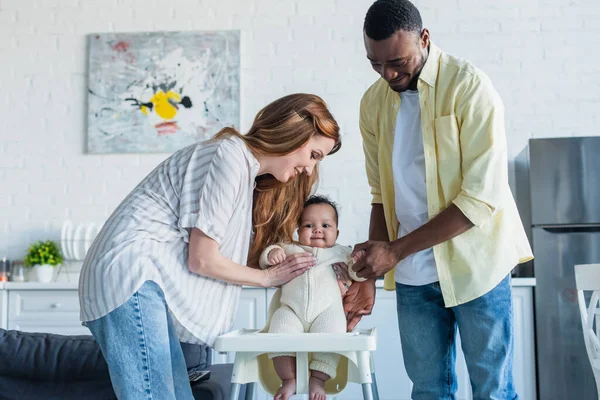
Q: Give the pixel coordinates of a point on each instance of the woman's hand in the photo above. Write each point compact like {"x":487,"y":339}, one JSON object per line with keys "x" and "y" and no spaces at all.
{"x":276,"y":256}
{"x":293,"y":266}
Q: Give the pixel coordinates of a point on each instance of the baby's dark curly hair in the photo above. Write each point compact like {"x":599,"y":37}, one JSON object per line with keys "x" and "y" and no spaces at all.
{"x":322,"y":200}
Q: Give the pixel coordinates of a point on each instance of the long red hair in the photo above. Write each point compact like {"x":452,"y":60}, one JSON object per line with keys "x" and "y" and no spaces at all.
{"x":282,"y":127}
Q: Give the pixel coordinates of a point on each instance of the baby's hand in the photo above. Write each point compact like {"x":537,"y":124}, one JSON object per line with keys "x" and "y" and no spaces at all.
{"x":276,"y":256}
{"x":358,"y":256}
{"x":344,"y":286}
{"x":343,"y":279}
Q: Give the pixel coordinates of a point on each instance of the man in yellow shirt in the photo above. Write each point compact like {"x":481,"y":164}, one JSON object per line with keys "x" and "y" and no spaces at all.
{"x":444,"y":226}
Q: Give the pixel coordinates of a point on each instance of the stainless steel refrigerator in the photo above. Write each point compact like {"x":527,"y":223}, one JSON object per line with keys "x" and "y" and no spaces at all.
{"x":558,"y":192}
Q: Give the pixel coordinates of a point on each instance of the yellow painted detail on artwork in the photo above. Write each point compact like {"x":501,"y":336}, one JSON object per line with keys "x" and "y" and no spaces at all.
{"x":173,"y":96}
{"x":163,"y":106}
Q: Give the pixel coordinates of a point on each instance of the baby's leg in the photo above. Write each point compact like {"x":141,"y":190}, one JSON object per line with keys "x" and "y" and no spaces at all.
{"x":285,"y":320}
{"x":285,"y":366}
{"x":316,"y":385}
{"x":324,"y":365}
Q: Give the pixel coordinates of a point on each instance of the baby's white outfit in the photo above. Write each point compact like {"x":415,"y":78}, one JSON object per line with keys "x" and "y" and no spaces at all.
{"x":311,"y":302}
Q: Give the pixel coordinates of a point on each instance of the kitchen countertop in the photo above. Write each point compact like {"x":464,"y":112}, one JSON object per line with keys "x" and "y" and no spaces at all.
{"x":73,"y":284}
{"x":520,"y":282}
{"x":39,"y":285}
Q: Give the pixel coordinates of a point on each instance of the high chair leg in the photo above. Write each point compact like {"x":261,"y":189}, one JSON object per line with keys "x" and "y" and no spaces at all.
{"x":367,"y":389}
{"x":250,"y":389}
{"x":235,"y":391}
{"x":374,"y":387}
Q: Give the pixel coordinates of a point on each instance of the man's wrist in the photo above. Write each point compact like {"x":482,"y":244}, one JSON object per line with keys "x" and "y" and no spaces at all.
{"x":399,"y":248}
{"x":368,"y":282}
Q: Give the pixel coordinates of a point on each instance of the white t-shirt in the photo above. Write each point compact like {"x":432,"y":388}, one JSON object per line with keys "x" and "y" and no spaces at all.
{"x":408,"y":166}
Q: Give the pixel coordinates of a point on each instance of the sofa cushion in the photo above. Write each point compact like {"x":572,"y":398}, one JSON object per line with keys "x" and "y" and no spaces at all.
{"x":45,"y":356}
{"x":23,"y":389}
{"x":49,"y":366}
{"x":216,"y":388}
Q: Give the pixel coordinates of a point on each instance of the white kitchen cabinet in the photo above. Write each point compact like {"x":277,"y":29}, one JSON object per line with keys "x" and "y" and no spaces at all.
{"x":51,"y":311}
{"x":55,"y":308}
{"x":251,"y":314}
{"x":392,"y":380}
{"x":524,"y":360}
{"x":3,"y":309}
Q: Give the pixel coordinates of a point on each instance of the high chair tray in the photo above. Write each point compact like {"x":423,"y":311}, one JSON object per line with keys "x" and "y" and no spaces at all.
{"x":254,"y":341}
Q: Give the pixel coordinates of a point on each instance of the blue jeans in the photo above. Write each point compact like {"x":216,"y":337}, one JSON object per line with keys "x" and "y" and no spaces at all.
{"x":143,"y":353}
{"x":428,"y":333}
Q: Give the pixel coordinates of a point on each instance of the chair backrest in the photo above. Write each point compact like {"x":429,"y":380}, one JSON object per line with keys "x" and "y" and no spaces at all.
{"x":587,"y":278}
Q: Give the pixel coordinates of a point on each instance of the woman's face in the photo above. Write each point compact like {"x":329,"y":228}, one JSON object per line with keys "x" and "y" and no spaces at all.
{"x":302,"y":160}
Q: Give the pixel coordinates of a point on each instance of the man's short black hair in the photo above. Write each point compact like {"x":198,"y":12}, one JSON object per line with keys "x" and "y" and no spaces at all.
{"x":322,"y":200}
{"x":386,"y":17}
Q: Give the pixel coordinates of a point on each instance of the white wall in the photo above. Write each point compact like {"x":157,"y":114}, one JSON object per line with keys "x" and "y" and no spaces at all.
{"x":541,"y":54}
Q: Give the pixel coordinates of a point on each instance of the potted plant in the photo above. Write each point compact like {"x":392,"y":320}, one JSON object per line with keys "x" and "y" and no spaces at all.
{"x":43,"y":257}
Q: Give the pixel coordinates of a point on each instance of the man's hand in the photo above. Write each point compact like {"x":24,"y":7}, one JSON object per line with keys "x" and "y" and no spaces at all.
{"x":379,"y":258}
{"x":359,"y":301}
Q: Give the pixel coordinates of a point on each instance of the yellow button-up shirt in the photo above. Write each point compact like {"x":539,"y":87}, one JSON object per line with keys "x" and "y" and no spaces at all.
{"x":462,"y":121}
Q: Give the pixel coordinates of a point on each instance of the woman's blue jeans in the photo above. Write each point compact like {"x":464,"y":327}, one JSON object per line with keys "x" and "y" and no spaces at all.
{"x":143,"y":353}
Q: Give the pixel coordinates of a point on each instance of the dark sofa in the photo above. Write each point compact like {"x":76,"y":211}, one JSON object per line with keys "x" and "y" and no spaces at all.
{"x":48,"y":366}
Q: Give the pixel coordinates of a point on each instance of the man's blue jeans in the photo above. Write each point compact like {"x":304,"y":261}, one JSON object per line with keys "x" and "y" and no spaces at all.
{"x":143,"y":353}
{"x":428,"y":333}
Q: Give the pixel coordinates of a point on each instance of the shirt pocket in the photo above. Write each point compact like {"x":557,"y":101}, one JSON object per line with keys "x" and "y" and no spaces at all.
{"x":447,"y":139}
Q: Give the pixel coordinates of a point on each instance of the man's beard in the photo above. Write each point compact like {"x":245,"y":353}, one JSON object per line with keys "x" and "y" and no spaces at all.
{"x":417,"y":74}
{"x":412,"y":85}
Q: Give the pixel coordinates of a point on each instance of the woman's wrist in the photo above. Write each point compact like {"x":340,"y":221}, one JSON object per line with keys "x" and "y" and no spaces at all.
{"x":264,"y":278}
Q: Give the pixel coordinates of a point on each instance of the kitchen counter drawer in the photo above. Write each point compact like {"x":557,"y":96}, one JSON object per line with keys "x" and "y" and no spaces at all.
{"x":42,"y":304}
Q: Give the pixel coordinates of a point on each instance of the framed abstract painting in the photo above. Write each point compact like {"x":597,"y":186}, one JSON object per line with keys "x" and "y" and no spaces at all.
{"x":159,"y":92}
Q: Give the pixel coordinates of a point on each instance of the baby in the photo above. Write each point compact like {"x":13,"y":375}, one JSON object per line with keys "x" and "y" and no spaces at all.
{"x":312,"y":301}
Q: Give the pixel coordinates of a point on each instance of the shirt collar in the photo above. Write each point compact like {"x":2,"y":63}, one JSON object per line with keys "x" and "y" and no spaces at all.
{"x":430,"y":69}
{"x":250,"y":158}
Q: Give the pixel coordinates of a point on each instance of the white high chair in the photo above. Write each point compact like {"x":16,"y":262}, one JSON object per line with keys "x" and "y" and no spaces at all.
{"x":587,"y":278}
{"x":253,"y":365}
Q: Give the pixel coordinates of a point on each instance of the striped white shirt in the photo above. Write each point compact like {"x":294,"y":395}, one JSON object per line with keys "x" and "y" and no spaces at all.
{"x":208,"y":186}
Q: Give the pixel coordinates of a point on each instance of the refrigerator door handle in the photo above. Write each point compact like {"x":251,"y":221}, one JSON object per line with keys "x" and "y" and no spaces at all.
{"x":570,"y":228}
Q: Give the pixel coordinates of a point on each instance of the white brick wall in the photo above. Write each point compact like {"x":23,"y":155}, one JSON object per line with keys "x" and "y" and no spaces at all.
{"x":541,"y":54}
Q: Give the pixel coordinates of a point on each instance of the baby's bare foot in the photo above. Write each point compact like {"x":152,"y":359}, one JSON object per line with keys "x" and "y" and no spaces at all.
{"x":316,"y":389}
{"x":287,"y":389}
